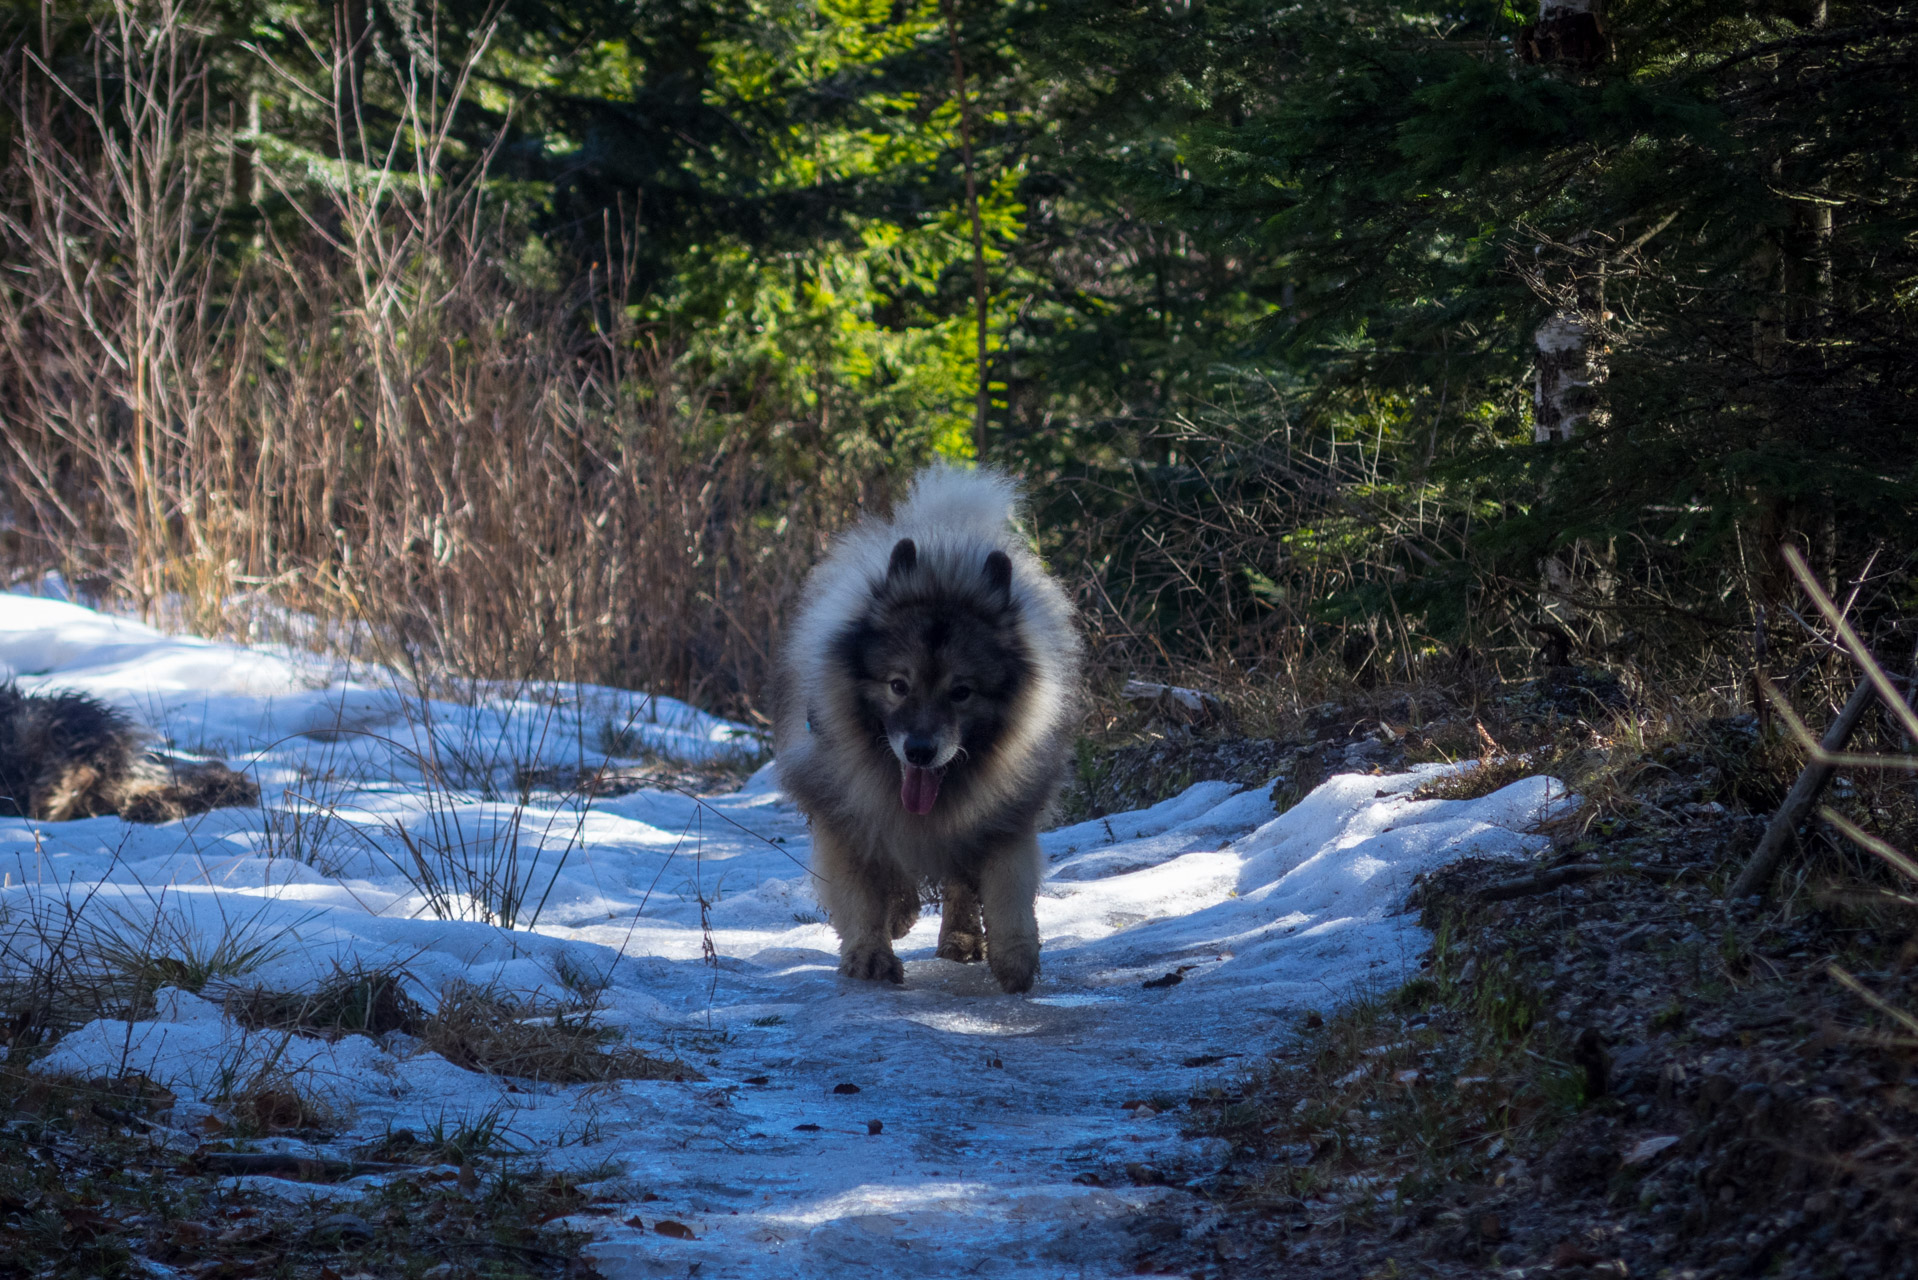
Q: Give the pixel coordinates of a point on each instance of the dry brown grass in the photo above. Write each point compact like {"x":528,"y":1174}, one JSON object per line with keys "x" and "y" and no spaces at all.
{"x":477,"y":1030}
{"x":276,"y":1102}
{"x":378,"y":413}
{"x":104,"y":1197}
{"x":1492,"y":773}
{"x":473,"y":1027}
{"x":365,"y":1001}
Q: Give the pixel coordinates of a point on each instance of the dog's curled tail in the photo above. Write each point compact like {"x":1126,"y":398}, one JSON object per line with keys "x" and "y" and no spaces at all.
{"x":959,"y":499}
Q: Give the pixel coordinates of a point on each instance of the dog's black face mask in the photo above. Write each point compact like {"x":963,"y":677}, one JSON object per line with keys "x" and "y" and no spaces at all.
{"x":938,"y":666}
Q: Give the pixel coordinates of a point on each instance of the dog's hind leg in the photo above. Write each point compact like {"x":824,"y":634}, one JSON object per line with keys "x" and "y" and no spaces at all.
{"x":1008,"y":884}
{"x":961,"y":936}
{"x":904,"y":913}
{"x":861,"y":895}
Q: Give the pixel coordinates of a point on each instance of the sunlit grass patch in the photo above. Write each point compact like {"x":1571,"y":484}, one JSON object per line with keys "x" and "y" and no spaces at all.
{"x":1488,"y":775}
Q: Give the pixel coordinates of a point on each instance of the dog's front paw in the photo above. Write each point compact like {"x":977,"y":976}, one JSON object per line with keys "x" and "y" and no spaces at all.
{"x":1015,"y":965}
{"x":874,"y":963}
{"x":966,"y":948}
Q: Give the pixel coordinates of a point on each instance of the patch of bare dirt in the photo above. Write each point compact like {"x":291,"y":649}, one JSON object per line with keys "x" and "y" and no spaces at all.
{"x":1604,"y":1070}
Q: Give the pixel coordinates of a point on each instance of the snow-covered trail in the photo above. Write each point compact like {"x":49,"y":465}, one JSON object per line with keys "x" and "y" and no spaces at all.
{"x":1005,"y":1143}
{"x":1001,"y":1144}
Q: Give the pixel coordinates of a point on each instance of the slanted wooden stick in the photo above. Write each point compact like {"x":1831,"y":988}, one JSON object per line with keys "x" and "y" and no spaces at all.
{"x":1780,"y":835}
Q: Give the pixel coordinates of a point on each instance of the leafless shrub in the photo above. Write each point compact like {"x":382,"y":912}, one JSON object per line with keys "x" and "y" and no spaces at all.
{"x":1895,"y":704}
{"x":1889,"y":895}
{"x":1274,"y":565}
{"x":1184,"y":550}
{"x":370,"y":415}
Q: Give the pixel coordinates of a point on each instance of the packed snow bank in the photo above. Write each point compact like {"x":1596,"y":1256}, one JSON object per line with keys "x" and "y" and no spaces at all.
{"x":698,"y":920}
{"x":1288,"y":910}
{"x":223,"y":699}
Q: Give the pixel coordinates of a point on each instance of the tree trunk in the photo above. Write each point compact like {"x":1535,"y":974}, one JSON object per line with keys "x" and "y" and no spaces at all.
{"x":1568,"y":33}
{"x":980,"y":293}
{"x":1569,"y":37}
{"x":1562,"y":396}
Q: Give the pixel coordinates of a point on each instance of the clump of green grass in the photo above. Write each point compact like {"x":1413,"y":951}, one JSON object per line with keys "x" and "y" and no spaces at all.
{"x":66,"y":959}
{"x":461,"y":1140}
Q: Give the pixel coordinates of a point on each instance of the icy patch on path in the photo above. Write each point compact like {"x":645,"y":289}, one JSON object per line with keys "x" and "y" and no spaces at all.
{"x":976,"y":1114}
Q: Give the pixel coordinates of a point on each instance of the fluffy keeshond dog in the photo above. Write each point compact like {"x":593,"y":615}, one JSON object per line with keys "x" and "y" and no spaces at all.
{"x":923,"y":713}
{"x":65,"y":755}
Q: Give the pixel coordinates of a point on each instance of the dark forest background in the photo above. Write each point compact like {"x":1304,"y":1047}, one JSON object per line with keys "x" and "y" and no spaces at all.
{"x":554,"y":337}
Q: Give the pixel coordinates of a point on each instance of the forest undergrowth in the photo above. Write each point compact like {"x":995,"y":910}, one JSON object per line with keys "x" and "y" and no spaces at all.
{"x":1606,"y":1066}
{"x":326,"y":327}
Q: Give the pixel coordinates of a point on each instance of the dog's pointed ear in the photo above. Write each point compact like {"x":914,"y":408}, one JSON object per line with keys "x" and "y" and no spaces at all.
{"x":905,"y":557}
{"x":999,"y":574}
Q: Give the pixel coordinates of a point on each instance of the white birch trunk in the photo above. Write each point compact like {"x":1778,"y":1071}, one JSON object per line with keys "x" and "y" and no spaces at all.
{"x":1567,"y":369}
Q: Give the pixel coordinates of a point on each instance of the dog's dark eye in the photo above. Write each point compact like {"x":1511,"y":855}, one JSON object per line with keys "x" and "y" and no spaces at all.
{"x":900,"y":688}
{"x":960,"y":693}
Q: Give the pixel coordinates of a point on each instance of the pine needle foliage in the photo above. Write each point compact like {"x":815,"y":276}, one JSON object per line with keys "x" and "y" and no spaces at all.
{"x":1264,"y":294}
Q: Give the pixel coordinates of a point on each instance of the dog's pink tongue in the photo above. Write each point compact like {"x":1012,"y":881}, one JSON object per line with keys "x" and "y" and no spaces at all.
{"x":919,"y":789}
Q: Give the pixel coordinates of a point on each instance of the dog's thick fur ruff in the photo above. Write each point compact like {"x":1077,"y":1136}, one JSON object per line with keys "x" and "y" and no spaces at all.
{"x":937,"y":636}
{"x":65,"y":755}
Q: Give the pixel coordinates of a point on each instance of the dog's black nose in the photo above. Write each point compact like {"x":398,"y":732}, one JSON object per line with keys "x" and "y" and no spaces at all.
{"x":921,"y":751}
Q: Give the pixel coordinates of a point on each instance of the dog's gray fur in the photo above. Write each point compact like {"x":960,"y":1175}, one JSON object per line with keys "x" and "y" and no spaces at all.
{"x":65,"y":755}
{"x":932,"y":642}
